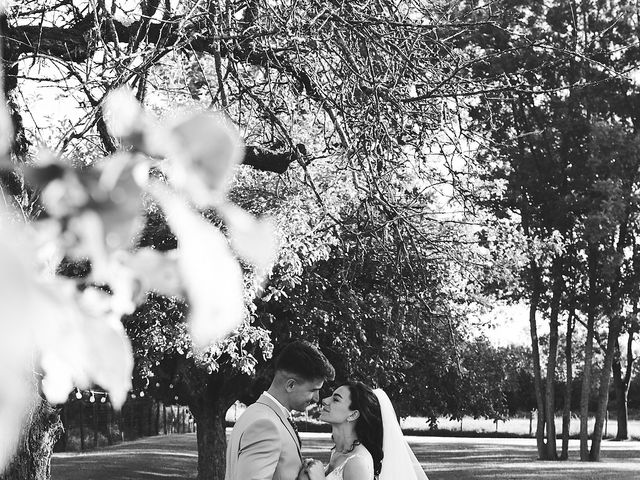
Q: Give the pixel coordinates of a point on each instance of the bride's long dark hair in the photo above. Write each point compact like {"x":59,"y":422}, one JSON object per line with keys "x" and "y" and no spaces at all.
{"x":369,"y":423}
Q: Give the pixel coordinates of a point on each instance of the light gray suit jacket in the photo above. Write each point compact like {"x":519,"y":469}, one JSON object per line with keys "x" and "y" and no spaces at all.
{"x":263,"y":445}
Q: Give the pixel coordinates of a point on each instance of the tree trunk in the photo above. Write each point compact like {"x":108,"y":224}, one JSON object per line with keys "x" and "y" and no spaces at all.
{"x":550,"y":408}
{"x":33,"y":459}
{"x":9,"y":71}
{"x":622,"y":385}
{"x":109,"y":411}
{"x":622,"y":414}
{"x":566,"y":414}
{"x":536,"y":286}
{"x":140,"y":416}
{"x":94,"y":423}
{"x":603,"y":392}
{"x":62,"y":442}
{"x":81,"y":409}
{"x":615,"y":309}
{"x":157,"y":430}
{"x":588,"y":355}
{"x":211,"y":436}
{"x":164,"y":418}
{"x":150,"y":425}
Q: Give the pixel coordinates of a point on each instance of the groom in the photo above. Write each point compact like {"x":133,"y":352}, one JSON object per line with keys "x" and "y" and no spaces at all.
{"x":264,"y":443}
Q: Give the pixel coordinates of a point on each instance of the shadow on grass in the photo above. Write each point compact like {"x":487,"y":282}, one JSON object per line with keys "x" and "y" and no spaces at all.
{"x":153,"y":458}
{"x":448,"y":459}
{"x":175,"y":457}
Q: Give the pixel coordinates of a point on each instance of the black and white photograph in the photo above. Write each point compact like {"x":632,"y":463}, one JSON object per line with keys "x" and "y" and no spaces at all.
{"x":320,"y":240}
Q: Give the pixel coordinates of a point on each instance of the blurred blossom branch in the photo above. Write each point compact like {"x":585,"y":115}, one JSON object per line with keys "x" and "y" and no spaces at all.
{"x":74,"y":335}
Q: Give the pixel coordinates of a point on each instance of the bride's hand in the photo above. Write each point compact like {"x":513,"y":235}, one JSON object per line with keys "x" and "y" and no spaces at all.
{"x":302,"y":474}
{"x":315,"y":470}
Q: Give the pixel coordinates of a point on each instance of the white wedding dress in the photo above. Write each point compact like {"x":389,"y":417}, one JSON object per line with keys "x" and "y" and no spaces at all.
{"x":336,"y":474}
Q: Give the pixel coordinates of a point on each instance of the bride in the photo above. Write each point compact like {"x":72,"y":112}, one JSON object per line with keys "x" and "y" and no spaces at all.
{"x":368,"y":441}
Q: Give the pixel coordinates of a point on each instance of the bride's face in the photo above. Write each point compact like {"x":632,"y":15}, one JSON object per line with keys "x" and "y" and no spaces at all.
{"x":336,"y":408}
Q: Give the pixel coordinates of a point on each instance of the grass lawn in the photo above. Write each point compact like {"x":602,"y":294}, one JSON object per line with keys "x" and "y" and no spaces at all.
{"x":516,"y":425}
{"x":174,"y":457}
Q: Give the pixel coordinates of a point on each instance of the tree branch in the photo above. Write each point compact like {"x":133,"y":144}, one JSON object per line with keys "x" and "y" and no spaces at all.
{"x":267,"y":160}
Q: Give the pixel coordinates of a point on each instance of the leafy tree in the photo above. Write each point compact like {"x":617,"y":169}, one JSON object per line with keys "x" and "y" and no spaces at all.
{"x":382,"y":319}
{"x":348,"y":102}
{"x":209,"y":383}
{"x":519,"y":390}
{"x":355,"y":298}
{"x":562,"y":135}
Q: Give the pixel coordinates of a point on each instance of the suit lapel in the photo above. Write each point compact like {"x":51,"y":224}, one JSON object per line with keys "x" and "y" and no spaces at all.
{"x":281,"y":415}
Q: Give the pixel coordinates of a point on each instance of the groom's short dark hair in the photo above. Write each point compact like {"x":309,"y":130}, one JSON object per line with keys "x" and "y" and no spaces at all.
{"x":305,"y":360}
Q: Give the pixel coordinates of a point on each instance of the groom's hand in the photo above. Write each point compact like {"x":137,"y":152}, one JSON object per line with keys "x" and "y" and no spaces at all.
{"x":302,"y":474}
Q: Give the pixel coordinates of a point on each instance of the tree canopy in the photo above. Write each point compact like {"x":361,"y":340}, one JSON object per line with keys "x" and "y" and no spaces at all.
{"x":353,"y":105}
{"x":562,"y":148}
{"x":374,"y":133}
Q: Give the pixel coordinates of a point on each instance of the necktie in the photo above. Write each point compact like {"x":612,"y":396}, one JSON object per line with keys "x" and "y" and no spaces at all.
{"x":295,"y":429}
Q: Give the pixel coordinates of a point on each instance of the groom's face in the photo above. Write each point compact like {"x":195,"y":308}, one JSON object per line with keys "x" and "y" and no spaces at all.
{"x":303,"y":393}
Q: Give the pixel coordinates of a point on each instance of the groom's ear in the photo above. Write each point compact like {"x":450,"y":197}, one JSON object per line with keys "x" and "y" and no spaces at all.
{"x":290,"y":384}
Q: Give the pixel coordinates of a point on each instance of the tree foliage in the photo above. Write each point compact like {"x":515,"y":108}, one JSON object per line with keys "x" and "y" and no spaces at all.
{"x":355,"y":105}
{"x":562,"y":143}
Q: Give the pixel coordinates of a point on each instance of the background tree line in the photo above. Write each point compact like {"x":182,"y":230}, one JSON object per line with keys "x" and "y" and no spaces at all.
{"x":562,"y":156}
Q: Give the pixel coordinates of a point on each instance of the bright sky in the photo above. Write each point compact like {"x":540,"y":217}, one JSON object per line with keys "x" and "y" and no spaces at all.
{"x":508,"y":325}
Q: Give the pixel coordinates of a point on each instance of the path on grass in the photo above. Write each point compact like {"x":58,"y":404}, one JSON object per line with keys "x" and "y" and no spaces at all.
{"x":174,"y":457}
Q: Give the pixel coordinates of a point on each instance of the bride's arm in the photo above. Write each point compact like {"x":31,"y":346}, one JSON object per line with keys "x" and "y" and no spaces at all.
{"x":358,"y":468}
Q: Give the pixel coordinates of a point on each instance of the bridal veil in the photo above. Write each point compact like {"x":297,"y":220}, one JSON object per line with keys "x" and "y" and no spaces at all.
{"x":399,"y":461}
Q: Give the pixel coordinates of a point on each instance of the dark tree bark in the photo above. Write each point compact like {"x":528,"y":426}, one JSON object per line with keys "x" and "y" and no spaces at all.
{"x":94,"y":423}
{"x":108,"y":429}
{"x":536,"y":286}
{"x":208,"y":396}
{"x":62,"y":442}
{"x":212,"y":442}
{"x":268,"y":160}
{"x":209,"y":407}
{"x":33,"y":459}
{"x":588,"y":353}
{"x":615,"y":309}
{"x":9,"y":81}
{"x":81,"y":410}
{"x":603,"y":391}
{"x":164,"y":419}
{"x":157,"y":426}
{"x":621,"y":384}
{"x":566,"y":413}
{"x":550,"y":408}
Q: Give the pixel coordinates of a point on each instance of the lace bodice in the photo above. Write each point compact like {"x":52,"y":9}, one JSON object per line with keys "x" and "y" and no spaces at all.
{"x":337,"y":473}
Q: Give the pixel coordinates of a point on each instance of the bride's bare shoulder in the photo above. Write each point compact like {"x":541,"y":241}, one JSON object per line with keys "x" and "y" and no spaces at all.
{"x":360,"y":465}
{"x":362,"y":450}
